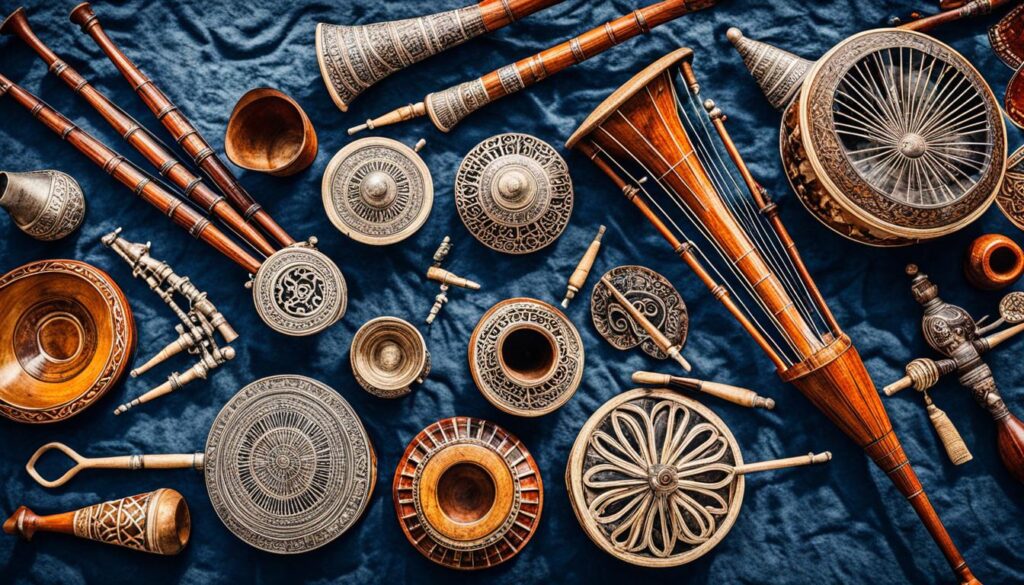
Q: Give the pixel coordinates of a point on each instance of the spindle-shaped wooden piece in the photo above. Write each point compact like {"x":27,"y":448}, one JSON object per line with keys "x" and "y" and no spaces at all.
{"x":734,"y":394}
{"x":579,"y":276}
{"x":659,"y":338}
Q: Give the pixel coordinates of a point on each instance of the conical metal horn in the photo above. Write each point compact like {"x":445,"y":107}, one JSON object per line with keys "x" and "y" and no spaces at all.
{"x":777,"y":72}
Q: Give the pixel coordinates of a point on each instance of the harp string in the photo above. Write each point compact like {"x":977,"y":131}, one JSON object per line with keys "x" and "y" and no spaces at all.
{"x":742,"y":204}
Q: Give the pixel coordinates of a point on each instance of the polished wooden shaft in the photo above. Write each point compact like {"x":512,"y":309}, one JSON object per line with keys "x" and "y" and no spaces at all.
{"x":130,"y":176}
{"x":498,"y":13}
{"x":132,"y":462}
{"x":140,"y":138}
{"x":204,"y":156}
{"x":974,"y":8}
{"x":734,"y":394}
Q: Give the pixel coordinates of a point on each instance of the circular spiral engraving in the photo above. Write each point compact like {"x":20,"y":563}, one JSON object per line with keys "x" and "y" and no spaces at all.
{"x":289,"y":466}
{"x":468,"y":494}
{"x":299,"y":291}
{"x":377,"y":191}
{"x":653,"y":295}
{"x":388,"y":354}
{"x":651,"y":478}
{"x":526,"y":357}
{"x":513,"y":192}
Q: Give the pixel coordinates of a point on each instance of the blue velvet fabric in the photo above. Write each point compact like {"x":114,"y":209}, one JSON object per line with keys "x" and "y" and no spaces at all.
{"x":840,"y":523}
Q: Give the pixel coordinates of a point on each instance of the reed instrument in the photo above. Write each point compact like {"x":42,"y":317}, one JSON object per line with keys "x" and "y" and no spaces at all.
{"x":138,"y":136}
{"x":184,"y":133}
{"x":156,"y":522}
{"x":448,"y":107}
{"x":962,"y":340}
{"x":353,"y":58}
{"x":743,"y":253}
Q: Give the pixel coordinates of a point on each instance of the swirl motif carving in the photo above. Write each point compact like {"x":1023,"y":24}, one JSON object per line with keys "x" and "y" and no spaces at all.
{"x":514,"y":193}
{"x":651,"y":478}
{"x":299,"y":291}
{"x":507,"y":456}
{"x":289,"y":466}
{"x":653,"y":295}
{"x":1011,"y":193}
{"x":62,"y":209}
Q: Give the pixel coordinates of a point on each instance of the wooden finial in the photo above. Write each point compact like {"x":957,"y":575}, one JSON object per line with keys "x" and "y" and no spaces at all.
{"x":579,"y":276}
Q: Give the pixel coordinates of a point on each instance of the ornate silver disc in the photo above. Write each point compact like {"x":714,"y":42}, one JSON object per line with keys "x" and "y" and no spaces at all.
{"x":653,"y":295}
{"x":526,"y":357}
{"x":513,"y":192}
{"x":651,"y":478}
{"x":288,"y":464}
{"x":299,"y":291}
{"x":377,"y":191}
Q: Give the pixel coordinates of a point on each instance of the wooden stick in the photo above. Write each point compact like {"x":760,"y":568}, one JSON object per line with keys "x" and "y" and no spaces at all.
{"x":659,"y":339}
{"x":975,"y":8}
{"x":579,"y":276}
{"x":133,"y":462}
{"x":809,"y":459}
{"x":734,"y":394}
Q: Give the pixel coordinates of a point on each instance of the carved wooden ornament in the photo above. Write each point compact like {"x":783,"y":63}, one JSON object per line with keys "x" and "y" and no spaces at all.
{"x":653,"y":295}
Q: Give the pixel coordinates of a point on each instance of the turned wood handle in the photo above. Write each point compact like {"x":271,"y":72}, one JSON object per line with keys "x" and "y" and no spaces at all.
{"x":809,"y":459}
{"x":727,"y":392}
{"x":133,"y":462}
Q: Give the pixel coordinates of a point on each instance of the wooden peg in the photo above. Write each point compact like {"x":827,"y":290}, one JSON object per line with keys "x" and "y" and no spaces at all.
{"x":579,"y":276}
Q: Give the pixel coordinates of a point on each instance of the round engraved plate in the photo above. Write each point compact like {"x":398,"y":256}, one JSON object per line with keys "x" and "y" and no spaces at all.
{"x":651,"y":479}
{"x":467,"y":493}
{"x":388,"y":355}
{"x":288,"y":465}
{"x":900,"y":139}
{"x":377,"y":191}
{"x":1011,"y":193}
{"x":526,"y":357}
{"x":513,"y":192}
{"x":653,"y":295}
{"x":66,"y":337}
{"x":299,"y":291}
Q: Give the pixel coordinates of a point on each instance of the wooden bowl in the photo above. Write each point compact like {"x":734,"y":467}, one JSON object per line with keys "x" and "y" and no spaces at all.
{"x":268,"y":132}
{"x":66,"y":337}
{"x":993,"y":262}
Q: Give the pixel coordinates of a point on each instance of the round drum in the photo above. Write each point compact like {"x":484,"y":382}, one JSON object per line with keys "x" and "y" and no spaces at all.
{"x":467,"y":493}
{"x":66,"y":337}
{"x":651,"y":479}
{"x":895,"y":138}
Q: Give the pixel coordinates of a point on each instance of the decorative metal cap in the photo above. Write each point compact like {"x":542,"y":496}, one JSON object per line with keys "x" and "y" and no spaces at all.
{"x":776,"y":71}
{"x":299,"y":291}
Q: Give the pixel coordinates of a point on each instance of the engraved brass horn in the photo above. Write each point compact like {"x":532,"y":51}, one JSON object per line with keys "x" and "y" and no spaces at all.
{"x":353,"y":58}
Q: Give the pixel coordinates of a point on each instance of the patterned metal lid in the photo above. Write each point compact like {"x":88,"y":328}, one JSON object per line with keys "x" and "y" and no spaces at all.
{"x":299,"y":291}
{"x":377,"y":191}
{"x":513,"y":192}
{"x":653,"y":295}
{"x":289,"y":466}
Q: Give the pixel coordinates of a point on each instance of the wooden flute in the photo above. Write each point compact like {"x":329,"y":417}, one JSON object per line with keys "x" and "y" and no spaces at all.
{"x":204,"y":156}
{"x":141,"y":183}
{"x":448,"y":107}
{"x":192,"y":186}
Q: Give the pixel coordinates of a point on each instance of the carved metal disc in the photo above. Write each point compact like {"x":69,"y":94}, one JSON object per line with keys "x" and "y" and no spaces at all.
{"x":1011,"y":193}
{"x":900,"y":133}
{"x":377,"y":191}
{"x":289,"y":466}
{"x":299,"y":291}
{"x":653,"y":295}
{"x":513,"y":192}
{"x":388,"y":354}
{"x":468,"y":494}
{"x":651,"y":479}
{"x":526,"y":357}
{"x":1011,"y":307}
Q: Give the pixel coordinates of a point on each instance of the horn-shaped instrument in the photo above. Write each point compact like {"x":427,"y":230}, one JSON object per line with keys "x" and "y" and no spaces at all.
{"x":139,"y":137}
{"x":448,"y":107}
{"x":353,"y":58}
{"x":744,"y":255}
{"x":155,"y":522}
{"x":203,"y":155}
{"x":907,"y":141}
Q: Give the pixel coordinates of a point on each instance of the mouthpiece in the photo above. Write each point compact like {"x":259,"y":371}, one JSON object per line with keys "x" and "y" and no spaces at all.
{"x":402,"y":114}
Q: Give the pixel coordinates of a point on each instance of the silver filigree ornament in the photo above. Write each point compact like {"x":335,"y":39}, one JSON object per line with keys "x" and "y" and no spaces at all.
{"x":514,"y":193}
{"x":289,"y":466}
{"x":377,"y":191}
{"x":299,"y":291}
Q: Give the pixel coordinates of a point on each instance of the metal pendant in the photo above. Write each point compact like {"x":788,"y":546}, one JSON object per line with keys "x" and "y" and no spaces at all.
{"x":289,"y":466}
{"x":468,"y":494}
{"x":526,"y":357}
{"x":299,"y":291}
{"x":513,"y":192}
{"x":377,"y":191}
{"x":388,"y":355}
{"x":651,"y":294}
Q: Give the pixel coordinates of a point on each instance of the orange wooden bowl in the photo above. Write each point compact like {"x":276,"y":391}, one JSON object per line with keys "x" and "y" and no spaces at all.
{"x":993,"y":262}
{"x":268,"y":132}
{"x":66,"y":337}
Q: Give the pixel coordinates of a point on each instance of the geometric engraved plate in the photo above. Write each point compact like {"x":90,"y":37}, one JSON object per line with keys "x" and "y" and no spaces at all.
{"x":653,"y":295}
{"x":289,"y":466}
{"x":299,"y":291}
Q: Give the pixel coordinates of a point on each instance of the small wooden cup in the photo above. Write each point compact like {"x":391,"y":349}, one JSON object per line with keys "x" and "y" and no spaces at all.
{"x":993,"y":262}
{"x":268,"y":132}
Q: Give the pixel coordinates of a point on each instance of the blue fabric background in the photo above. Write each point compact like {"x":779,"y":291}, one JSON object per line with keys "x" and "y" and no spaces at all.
{"x":838,"y":523}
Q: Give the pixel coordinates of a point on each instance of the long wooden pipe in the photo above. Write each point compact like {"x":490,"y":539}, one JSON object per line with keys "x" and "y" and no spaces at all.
{"x":204,"y":156}
{"x":140,"y":138}
{"x":130,"y":176}
{"x":975,"y":8}
{"x":448,"y":107}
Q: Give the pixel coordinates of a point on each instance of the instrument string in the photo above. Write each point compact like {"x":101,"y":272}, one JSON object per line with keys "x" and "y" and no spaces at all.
{"x":771,"y":243}
{"x":706,"y":261}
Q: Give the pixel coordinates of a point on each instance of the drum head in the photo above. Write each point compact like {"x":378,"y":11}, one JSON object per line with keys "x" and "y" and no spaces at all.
{"x":289,"y":466}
